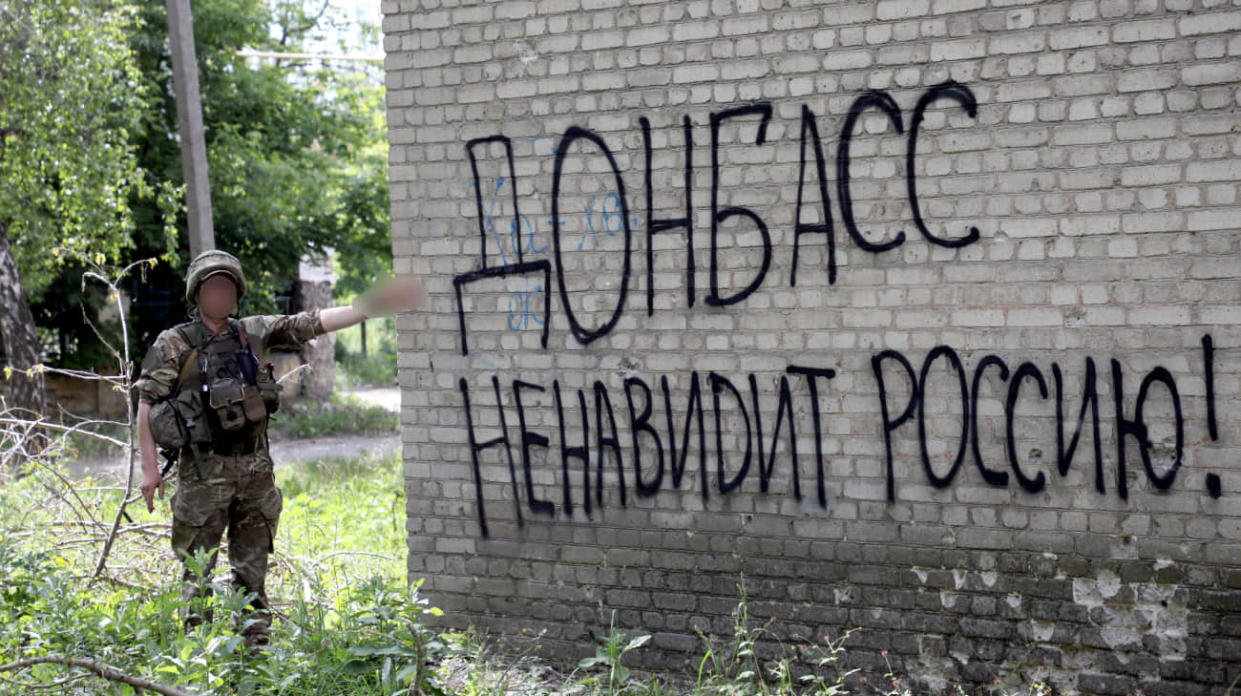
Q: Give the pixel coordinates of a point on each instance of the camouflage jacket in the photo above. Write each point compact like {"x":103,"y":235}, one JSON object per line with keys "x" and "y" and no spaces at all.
{"x":162,"y":363}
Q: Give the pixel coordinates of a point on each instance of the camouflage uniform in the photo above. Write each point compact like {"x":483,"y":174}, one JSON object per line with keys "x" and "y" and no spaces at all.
{"x":222,"y":491}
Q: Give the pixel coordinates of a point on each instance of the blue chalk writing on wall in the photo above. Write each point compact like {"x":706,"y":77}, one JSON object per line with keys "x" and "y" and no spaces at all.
{"x":519,"y":315}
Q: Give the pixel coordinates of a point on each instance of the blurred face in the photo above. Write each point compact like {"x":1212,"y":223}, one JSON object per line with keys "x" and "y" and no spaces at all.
{"x":216,"y":296}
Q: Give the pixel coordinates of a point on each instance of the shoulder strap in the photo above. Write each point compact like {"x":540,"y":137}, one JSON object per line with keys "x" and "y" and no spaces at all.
{"x":187,"y":361}
{"x":240,"y":328}
{"x":186,"y":365}
{"x":248,"y":362}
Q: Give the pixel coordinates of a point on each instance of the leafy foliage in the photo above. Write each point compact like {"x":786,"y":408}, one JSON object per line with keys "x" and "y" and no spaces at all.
{"x":296,"y":158}
{"x":608,"y":656}
{"x":283,"y":145}
{"x":348,"y":622}
{"x":73,"y":98}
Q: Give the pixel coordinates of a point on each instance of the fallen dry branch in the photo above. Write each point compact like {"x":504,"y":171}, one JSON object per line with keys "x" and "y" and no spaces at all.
{"x":100,"y":670}
{"x":27,"y":424}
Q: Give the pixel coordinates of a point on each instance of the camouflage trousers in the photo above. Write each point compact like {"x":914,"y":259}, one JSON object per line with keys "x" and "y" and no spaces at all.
{"x":237,"y":493}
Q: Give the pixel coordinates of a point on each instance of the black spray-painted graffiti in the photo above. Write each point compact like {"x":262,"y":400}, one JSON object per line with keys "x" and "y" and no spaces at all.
{"x":1126,"y":426}
{"x":659,"y":448}
{"x":811,"y":147}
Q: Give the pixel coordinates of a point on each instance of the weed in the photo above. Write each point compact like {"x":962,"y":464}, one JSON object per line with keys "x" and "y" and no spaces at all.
{"x":615,"y":677}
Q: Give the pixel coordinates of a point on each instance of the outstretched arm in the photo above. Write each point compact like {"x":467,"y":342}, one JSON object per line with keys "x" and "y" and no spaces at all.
{"x":337,"y":318}
{"x":387,"y":297}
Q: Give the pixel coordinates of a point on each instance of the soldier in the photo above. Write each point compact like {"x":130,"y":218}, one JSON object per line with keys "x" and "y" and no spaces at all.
{"x":205,"y":400}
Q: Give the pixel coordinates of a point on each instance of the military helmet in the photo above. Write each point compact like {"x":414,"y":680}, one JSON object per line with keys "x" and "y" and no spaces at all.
{"x":209,"y":263}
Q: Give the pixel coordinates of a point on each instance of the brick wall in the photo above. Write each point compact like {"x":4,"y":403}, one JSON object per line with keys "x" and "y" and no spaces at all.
{"x":925,"y":315}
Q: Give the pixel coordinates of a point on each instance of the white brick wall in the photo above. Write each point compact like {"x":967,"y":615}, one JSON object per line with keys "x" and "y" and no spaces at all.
{"x":1102,"y":171}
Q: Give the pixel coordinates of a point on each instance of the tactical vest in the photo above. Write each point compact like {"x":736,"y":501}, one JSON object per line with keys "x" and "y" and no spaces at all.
{"x":223,"y":396}
{"x":235,"y":410}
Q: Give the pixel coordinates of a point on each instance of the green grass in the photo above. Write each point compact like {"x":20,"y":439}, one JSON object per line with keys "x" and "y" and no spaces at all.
{"x":344,"y":517}
{"x":347,"y":622}
{"x":342,"y":414}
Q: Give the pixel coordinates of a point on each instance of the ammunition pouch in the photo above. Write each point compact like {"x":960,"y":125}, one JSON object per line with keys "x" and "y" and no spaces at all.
{"x":178,"y":421}
{"x":168,"y":426}
{"x":269,"y":389}
{"x":235,"y":403}
{"x":253,"y":405}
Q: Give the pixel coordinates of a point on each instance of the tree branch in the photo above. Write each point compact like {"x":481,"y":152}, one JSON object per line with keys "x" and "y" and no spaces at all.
{"x":126,"y":370}
{"x":100,"y":670}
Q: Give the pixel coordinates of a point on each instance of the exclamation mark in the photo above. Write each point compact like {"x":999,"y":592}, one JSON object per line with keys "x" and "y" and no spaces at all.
{"x":1208,"y":358}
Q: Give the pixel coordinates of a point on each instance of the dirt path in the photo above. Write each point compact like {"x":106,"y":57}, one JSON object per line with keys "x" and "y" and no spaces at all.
{"x":333,"y":447}
{"x":286,"y":451}
{"x":388,"y":397}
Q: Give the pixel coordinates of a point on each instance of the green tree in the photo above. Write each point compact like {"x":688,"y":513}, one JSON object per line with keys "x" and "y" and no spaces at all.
{"x":297,"y":163}
{"x":70,"y":99}
{"x":286,"y":142}
{"x":361,"y":222}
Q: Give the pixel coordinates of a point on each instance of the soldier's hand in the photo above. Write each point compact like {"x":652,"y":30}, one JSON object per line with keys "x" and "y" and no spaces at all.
{"x":392,"y":296}
{"x":151,"y":481}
